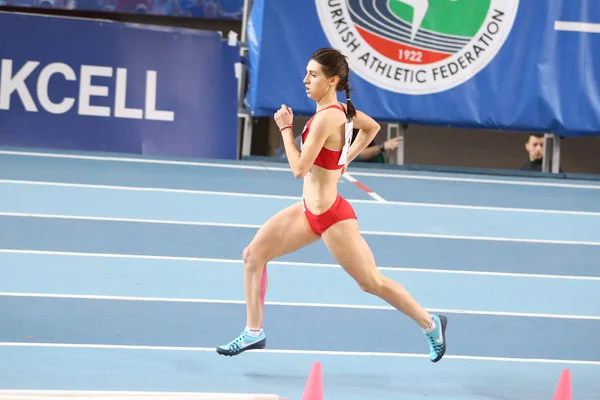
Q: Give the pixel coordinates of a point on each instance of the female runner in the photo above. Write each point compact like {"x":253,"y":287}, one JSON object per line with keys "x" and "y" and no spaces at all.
{"x":323,"y":213}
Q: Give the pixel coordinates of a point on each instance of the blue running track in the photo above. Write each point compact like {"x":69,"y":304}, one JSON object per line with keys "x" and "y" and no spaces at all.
{"x":124,"y":274}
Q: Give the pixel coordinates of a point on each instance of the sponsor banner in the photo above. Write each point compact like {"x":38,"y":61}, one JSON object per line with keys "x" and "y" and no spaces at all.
{"x":497,"y":64}
{"x":104,"y":86}
{"x":214,"y":9}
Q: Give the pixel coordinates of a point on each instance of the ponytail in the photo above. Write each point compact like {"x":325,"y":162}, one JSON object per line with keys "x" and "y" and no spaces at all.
{"x":334,"y":63}
{"x":351,"y":111}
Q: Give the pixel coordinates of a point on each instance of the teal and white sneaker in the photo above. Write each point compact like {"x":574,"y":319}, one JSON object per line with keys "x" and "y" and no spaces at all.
{"x":437,"y":338}
{"x":242,"y":343}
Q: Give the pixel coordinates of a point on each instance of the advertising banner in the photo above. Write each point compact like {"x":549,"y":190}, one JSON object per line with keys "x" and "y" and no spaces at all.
{"x":525,"y":65}
{"x":213,"y":9}
{"x":106,"y":86}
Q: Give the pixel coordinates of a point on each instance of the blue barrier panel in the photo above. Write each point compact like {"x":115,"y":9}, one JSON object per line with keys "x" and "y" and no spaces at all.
{"x":498,"y":64}
{"x":105,"y":86}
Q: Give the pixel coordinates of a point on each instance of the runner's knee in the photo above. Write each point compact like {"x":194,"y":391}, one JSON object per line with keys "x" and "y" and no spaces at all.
{"x":372,"y":283}
{"x":253,"y":262}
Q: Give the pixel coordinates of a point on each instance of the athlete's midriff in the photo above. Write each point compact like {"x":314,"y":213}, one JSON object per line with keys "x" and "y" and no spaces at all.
{"x":320,"y":189}
{"x":322,"y":204}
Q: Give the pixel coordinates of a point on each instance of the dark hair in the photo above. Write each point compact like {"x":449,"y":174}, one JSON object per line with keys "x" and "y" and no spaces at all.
{"x":535,"y":135}
{"x":335,"y":63}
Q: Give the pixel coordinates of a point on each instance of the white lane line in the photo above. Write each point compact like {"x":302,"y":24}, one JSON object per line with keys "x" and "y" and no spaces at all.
{"x":296,"y":263}
{"x":377,"y":198}
{"x":290,"y":304}
{"x":256,"y":226}
{"x":113,"y":394}
{"x":303,"y":352}
{"x":142,"y":160}
{"x":477,"y":180}
{"x":241,"y":165}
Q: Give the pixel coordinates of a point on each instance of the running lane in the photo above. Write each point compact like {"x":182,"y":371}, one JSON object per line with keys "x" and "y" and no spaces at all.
{"x":150,"y":323}
{"x":216,"y":280}
{"x":214,"y":208}
{"x":227,"y":242}
{"x":345,"y":377}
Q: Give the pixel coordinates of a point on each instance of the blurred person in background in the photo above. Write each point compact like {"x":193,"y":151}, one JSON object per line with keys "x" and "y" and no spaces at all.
{"x":374,"y":152}
{"x":535,"y":150}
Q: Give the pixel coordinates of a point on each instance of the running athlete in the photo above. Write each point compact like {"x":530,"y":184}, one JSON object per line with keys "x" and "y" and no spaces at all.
{"x":322,"y":213}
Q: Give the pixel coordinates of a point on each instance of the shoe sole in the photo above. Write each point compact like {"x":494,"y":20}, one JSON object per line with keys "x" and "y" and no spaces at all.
{"x":256,"y":346}
{"x":444,"y":322}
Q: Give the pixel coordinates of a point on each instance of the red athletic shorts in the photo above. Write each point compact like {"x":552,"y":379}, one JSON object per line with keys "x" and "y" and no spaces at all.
{"x":339,"y":211}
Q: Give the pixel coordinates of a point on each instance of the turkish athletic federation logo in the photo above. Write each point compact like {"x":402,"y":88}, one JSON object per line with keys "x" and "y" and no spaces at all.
{"x":417,"y":46}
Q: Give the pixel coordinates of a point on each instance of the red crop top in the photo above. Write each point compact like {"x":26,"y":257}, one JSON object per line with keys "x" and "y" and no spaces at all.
{"x":329,"y":158}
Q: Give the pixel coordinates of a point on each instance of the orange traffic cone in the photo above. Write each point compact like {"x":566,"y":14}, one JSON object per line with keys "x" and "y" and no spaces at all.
{"x":564,"y":388}
{"x":313,"y":390}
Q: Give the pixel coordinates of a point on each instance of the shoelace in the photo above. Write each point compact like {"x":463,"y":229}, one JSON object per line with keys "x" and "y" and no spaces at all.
{"x":235,"y":345}
{"x":437,"y":347}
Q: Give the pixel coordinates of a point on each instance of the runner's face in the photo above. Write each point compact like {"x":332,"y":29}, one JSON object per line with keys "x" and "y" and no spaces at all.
{"x":315,"y":81}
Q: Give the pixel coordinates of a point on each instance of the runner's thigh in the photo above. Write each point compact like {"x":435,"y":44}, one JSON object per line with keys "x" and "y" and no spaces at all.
{"x":351,"y":251}
{"x":285,"y":232}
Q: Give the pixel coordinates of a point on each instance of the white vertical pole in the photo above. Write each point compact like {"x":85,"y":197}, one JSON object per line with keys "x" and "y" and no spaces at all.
{"x":547,"y":152}
{"x":398,"y":157}
{"x":244,"y":117}
{"x":556,"y":155}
